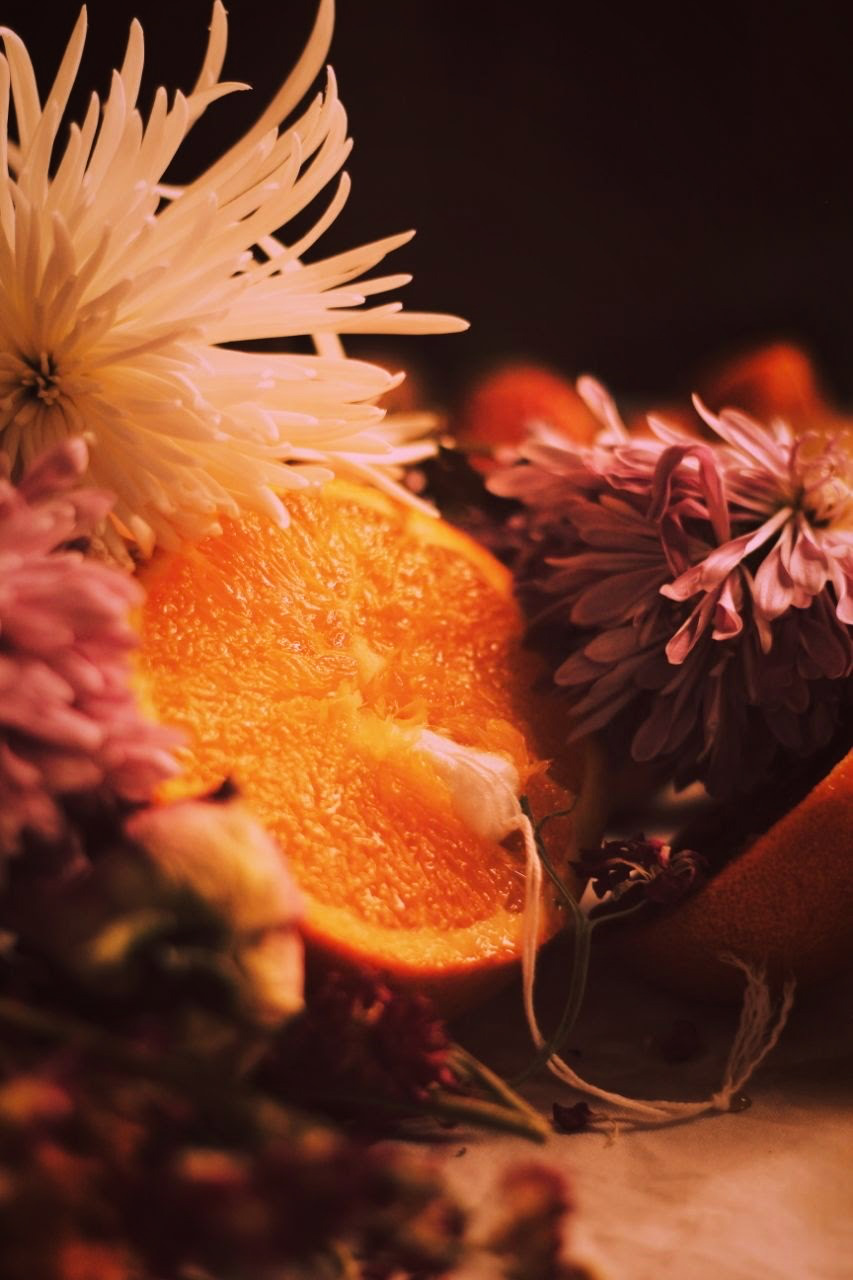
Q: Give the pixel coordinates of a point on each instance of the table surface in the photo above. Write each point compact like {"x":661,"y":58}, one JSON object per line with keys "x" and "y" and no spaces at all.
{"x":762,"y":1194}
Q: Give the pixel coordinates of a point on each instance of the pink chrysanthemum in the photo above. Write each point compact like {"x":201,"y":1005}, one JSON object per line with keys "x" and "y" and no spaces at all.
{"x":68,"y":720}
{"x":708,"y":588}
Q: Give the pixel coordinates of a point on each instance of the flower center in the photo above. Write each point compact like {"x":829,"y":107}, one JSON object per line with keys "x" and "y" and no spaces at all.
{"x":42,"y":379}
{"x":825,"y":473}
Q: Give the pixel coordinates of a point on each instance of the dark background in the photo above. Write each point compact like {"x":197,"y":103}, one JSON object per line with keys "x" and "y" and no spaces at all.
{"x":630,"y":190}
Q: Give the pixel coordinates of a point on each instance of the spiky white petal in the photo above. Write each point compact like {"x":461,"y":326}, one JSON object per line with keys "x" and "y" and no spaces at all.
{"x":118,"y":291}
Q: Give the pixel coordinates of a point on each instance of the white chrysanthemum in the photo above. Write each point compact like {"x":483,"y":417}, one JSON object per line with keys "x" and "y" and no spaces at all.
{"x":116,"y":293}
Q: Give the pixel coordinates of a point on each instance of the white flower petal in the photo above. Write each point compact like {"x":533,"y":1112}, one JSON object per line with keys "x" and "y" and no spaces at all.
{"x":119,"y":291}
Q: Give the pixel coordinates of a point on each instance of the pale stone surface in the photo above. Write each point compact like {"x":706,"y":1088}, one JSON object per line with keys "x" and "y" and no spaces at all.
{"x":766,"y":1194}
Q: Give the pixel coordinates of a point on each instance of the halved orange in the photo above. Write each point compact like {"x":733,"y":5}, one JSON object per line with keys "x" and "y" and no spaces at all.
{"x":784,"y":903}
{"x":308,"y":663}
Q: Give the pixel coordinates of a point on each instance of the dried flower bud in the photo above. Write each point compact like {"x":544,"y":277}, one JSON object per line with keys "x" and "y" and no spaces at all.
{"x":642,"y":863}
{"x":225,"y":856}
{"x":573,"y":1119}
{"x":220,"y":852}
{"x":359,"y":1035}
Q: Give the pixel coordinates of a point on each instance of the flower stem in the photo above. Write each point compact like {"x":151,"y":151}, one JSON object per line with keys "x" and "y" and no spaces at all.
{"x":583,"y":929}
{"x":525,"y":1122}
{"x":443,"y":1105}
{"x":477,"y":1070}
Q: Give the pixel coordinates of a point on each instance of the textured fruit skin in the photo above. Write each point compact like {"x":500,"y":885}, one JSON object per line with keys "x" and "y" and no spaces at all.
{"x":786,"y":901}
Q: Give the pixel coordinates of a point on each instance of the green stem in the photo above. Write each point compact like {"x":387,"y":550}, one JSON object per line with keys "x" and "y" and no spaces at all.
{"x":582,"y":933}
{"x":549,"y":817}
{"x":598,"y":921}
{"x":503,"y":1092}
{"x":526,"y":1124}
{"x":443,"y":1105}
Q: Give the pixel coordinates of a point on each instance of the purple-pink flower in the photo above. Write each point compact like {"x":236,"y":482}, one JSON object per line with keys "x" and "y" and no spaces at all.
{"x":68,"y":719}
{"x":706,"y":589}
{"x":792,"y":499}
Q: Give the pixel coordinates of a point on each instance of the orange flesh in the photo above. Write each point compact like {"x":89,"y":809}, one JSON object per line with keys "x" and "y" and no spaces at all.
{"x":300,"y":663}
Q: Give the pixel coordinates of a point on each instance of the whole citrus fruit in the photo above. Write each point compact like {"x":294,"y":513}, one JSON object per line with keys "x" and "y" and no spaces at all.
{"x":344,"y":671}
{"x":500,"y":409}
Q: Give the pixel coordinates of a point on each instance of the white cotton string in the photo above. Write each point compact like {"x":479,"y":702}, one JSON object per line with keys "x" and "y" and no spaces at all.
{"x":758,"y":1030}
{"x":483,"y":790}
{"x":530,"y":924}
{"x":759,"y":1027}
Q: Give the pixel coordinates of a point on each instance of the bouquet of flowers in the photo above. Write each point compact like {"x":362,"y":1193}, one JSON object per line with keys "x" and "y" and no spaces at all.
{"x":278,"y":769}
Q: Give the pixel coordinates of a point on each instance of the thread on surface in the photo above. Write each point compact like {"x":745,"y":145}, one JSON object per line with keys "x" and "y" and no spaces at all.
{"x":483,"y":790}
{"x":758,"y":1030}
{"x":760,"y":1025}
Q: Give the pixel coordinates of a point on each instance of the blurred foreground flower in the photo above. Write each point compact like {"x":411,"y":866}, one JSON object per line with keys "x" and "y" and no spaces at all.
{"x":121,"y":1178}
{"x":184,"y":916}
{"x":220,"y":853}
{"x":68,"y":720}
{"x":707,"y":590}
{"x":118,"y":295}
{"x":360,"y":1035}
{"x":530,"y":1239}
{"x":103,"y":1174}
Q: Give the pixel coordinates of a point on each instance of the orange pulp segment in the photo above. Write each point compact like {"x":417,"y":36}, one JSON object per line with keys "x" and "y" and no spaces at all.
{"x":304,"y":662}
